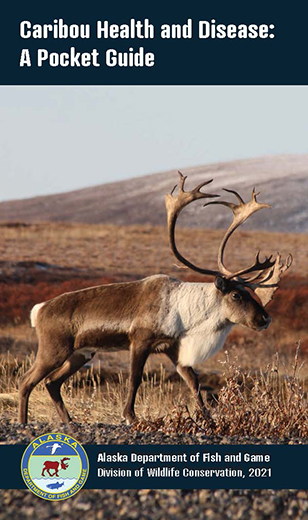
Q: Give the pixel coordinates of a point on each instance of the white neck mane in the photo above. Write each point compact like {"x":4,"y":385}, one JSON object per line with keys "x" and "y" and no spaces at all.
{"x":196,"y":316}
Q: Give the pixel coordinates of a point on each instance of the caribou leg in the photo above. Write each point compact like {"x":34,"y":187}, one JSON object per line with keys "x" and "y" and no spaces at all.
{"x":139,"y":352}
{"x":56,"y":378}
{"x":191,"y":379}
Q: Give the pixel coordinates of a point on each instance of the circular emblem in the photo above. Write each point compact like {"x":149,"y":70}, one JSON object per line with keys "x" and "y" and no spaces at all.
{"x":54,"y":466}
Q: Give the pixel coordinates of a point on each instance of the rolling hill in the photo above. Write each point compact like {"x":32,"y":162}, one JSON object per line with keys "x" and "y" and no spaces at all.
{"x":282,"y":180}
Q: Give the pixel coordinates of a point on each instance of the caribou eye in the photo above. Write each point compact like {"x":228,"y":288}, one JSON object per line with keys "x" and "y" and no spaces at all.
{"x":236,"y":296}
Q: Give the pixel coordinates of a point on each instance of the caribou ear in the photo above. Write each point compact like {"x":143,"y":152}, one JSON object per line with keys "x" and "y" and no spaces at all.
{"x":221,"y":284}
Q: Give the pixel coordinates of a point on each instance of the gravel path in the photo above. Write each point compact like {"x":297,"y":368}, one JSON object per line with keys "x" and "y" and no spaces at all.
{"x":159,"y":505}
{"x":147,"y":504}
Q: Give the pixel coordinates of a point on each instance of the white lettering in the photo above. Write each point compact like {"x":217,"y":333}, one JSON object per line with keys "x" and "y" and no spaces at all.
{"x":68,"y":59}
{"x":25,"y":58}
{"x":22,"y":29}
{"x":130,"y":58}
{"x":213,"y":30}
{"x":58,"y":29}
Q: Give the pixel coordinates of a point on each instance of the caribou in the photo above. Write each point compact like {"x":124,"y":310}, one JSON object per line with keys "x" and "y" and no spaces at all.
{"x":187,"y":321}
{"x":54,"y":465}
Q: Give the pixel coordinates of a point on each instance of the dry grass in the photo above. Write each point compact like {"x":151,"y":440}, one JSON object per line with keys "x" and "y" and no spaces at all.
{"x":88,"y":399}
{"x":265,"y":403}
{"x":262,"y":405}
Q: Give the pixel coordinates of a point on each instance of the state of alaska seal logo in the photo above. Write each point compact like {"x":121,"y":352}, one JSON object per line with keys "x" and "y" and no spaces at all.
{"x":54,"y":466}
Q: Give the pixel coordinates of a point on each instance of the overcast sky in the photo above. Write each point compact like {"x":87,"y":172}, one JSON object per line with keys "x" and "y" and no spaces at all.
{"x":57,"y":139}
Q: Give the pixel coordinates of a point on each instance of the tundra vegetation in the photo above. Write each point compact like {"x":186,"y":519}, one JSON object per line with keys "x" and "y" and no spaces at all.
{"x":256,"y":386}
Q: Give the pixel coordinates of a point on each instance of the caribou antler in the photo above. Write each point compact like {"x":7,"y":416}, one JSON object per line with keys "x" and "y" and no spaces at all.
{"x":266,"y":291}
{"x":174,"y":206}
{"x":267,"y":271}
{"x":241,"y":212}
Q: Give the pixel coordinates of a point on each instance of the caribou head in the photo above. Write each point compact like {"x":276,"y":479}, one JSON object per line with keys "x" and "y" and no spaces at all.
{"x":243,"y":293}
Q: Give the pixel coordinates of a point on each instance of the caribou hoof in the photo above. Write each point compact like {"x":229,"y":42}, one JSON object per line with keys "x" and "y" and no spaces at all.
{"x":129,"y":418}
